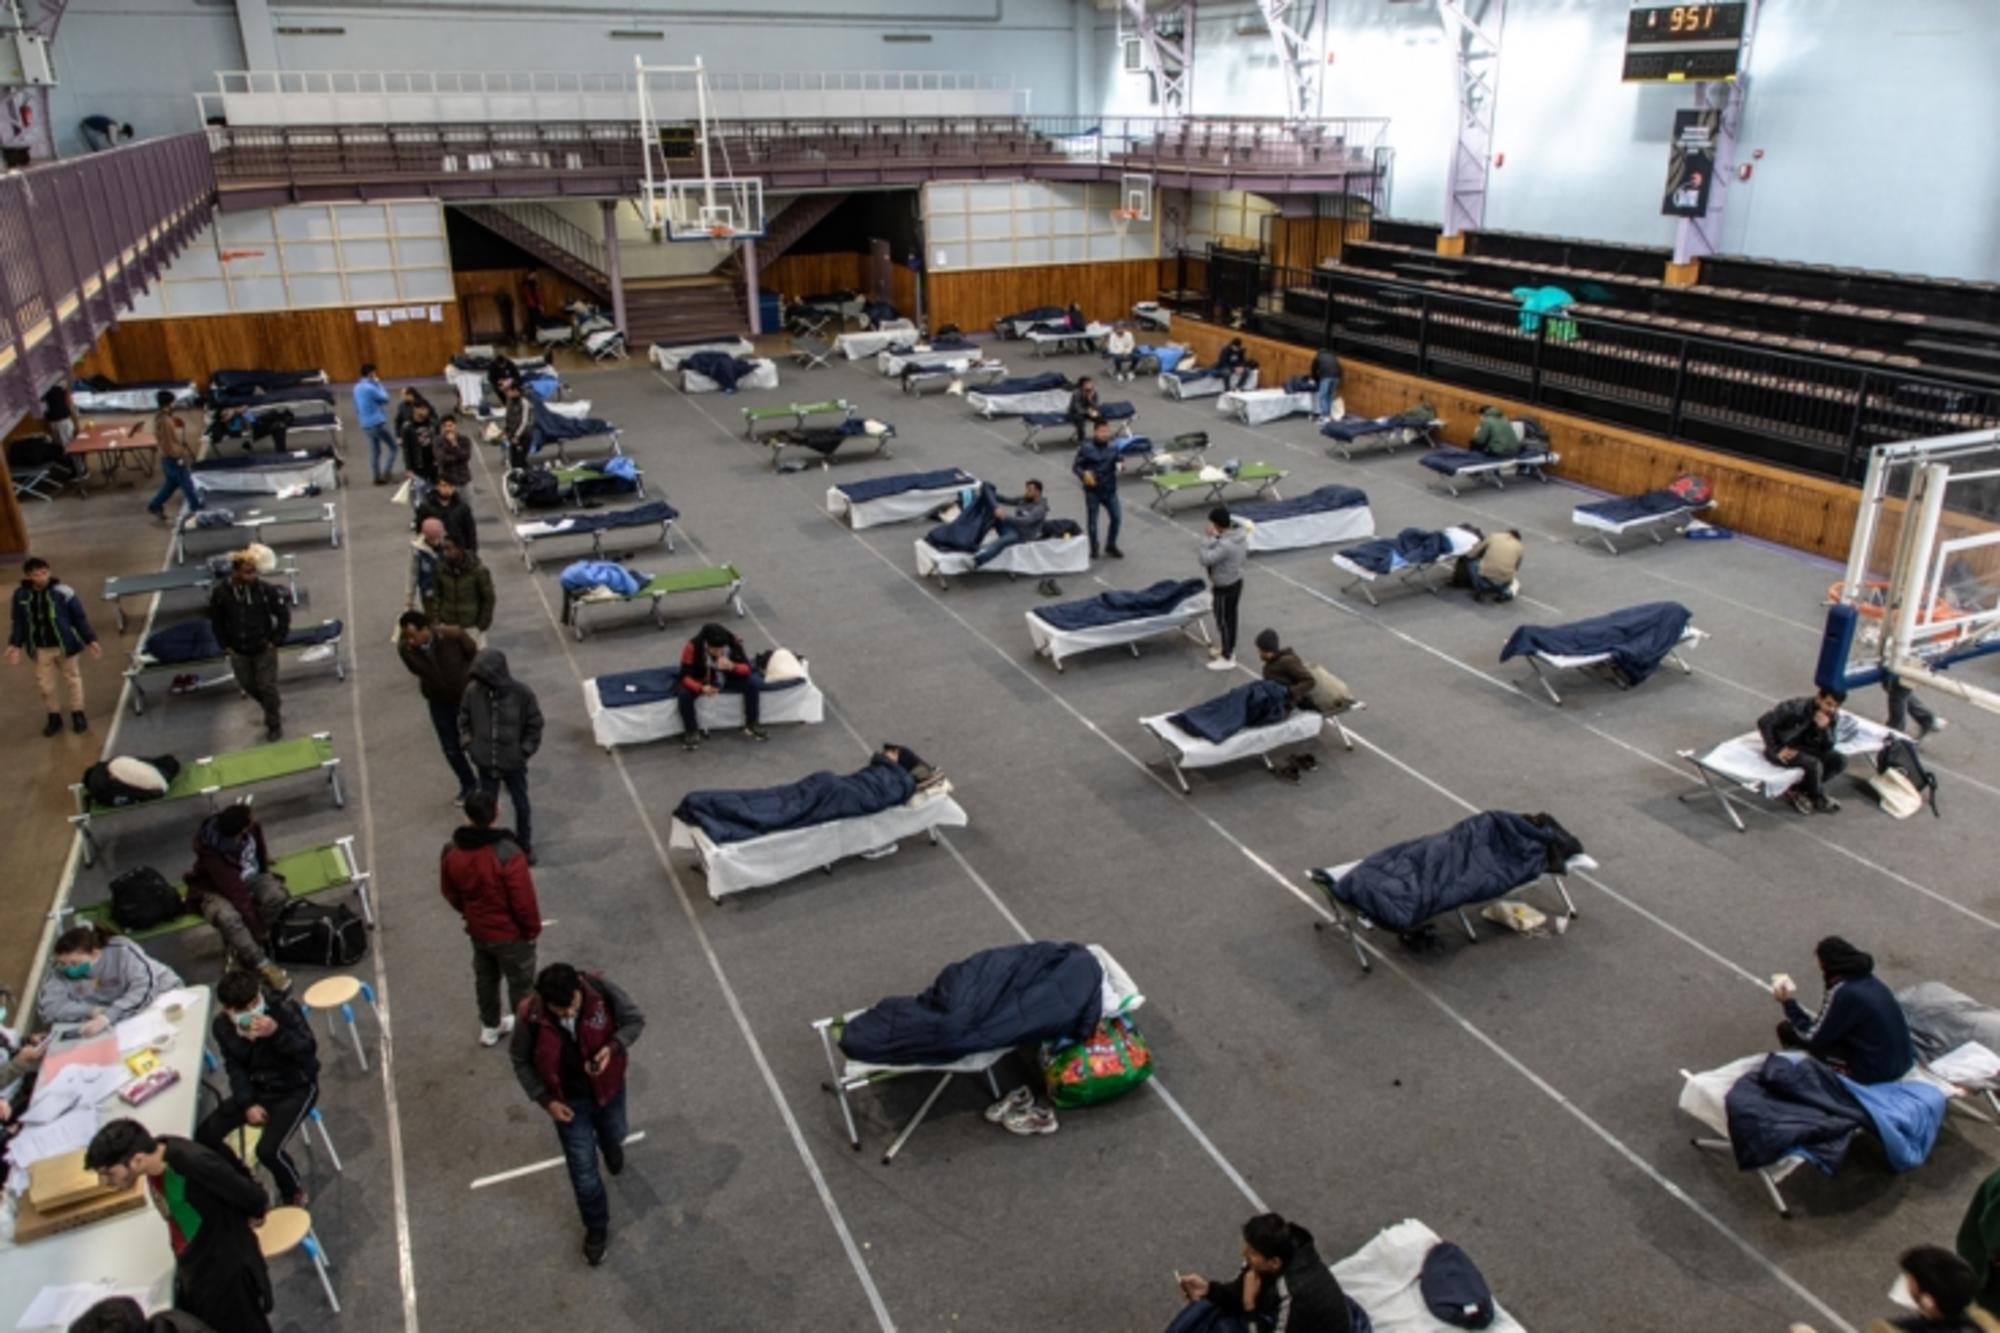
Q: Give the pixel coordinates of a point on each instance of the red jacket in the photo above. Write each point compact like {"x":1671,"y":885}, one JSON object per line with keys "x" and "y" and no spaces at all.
{"x":218,"y":869}
{"x":608,"y":1019}
{"x":698,"y":670}
{"x":484,"y":876}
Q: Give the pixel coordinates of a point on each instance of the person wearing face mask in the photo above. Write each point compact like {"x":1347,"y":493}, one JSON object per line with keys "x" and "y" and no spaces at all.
{"x":97,"y":979}
{"x":568,"y":1049}
{"x":272,"y":1061}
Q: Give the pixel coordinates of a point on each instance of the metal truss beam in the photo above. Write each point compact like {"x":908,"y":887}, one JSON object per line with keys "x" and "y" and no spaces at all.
{"x":1298,"y":28}
{"x":1169,"y":58}
{"x":1474,"y":29}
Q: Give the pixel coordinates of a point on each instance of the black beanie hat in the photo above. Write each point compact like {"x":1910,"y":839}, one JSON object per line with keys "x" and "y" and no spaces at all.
{"x":1268,"y":641}
{"x":1838,"y":958}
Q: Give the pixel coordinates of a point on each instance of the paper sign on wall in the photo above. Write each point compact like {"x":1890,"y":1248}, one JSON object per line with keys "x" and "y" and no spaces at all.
{"x":382,"y":318}
{"x":940,"y":261}
{"x":364,"y":317}
{"x":437,"y":314}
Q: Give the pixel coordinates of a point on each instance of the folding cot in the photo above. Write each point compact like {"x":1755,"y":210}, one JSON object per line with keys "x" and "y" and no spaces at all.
{"x":576,"y":408}
{"x":1625,"y":646}
{"x":763,"y":375}
{"x":667,"y":359}
{"x":1187,"y":750}
{"x":306,"y":644}
{"x":1739,"y":762}
{"x":563,"y":432}
{"x":595,"y":523}
{"x":603,"y":342}
{"x":1086,"y":339}
{"x":1047,"y":392}
{"x":979,"y":375}
{"x":1905,"y":1116}
{"x":811,"y":353}
{"x":109,"y":396}
{"x":323,"y":421}
{"x":1256,"y":407}
{"x":581,"y":483}
{"x":855,"y":346}
{"x":1209,"y":483}
{"x":1152,"y":316}
{"x":1411,"y":555}
{"x":1200,"y":382}
{"x":1120,"y":415}
{"x":241,"y":386}
{"x":1182,"y":454}
{"x":893,"y":361}
{"x":792,"y":415}
{"x":295,"y":472}
{"x":553,"y":333}
{"x":259,"y":519}
{"x":1385,"y":1278}
{"x":634,"y":707}
{"x":1646,"y":513}
{"x":1044,"y":558}
{"x":470,"y":373}
{"x":681,"y":583}
{"x":331,"y":867}
{"x":1947,"y":1026}
{"x":1120,"y":996}
{"x":266,"y":400}
{"x":754,"y":863}
{"x":1120,"y":619}
{"x":843,"y":304}
{"x":120,"y":586}
{"x":1350,"y":435}
{"x":1330,"y":514}
{"x":1480,"y":859}
{"x":1456,"y":465}
{"x":212,"y":775}
{"x":908,"y":495}
{"x":1017,"y":325}
{"x":826,"y":441}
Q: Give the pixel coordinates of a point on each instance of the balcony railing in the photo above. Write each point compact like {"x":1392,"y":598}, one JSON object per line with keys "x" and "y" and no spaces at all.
{"x":78,"y":241}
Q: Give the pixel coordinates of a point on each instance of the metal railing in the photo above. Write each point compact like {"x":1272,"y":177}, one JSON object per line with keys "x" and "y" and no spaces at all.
{"x":1809,"y":413}
{"x":79,"y":240}
{"x":558,"y":231}
{"x":380,"y":97}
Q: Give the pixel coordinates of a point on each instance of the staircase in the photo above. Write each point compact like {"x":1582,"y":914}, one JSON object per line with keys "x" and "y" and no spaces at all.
{"x":557,"y":242}
{"x":782,"y":232}
{"x":683,"y":311}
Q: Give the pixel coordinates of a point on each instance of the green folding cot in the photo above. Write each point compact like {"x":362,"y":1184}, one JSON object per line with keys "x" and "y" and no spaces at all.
{"x":211,"y":775}
{"x":1261,"y":478}
{"x":791,"y":416}
{"x":710,"y":578}
{"x":330,"y":867}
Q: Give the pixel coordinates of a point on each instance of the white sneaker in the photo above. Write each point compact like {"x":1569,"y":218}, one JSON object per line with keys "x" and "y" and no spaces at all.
{"x":489,"y":1036}
{"x":1222,"y":664}
{"x":507,"y":1025}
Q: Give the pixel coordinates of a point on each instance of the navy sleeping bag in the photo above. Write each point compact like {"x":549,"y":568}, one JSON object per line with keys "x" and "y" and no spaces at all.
{"x":1322,"y":501}
{"x":1475,"y":860}
{"x":1261,"y":703}
{"x":293,"y":458}
{"x":1026,"y":384}
{"x":994,"y":1000}
{"x":817,"y":798}
{"x":1037,"y":313}
{"x":875,"y":488}
{"x":652,"y":685}
{"x":653,"y":511}
{"x":1117,"y":607}
{"x":1411,"y":546}
{"x":1627,"y":508}
{"x":969,"y":529}
{"x":555,"y":426}
{"x":195,"y":641}
{"x":1638,"y":638}
{"x":1787,"y":1106}
{"x":721,"y":367}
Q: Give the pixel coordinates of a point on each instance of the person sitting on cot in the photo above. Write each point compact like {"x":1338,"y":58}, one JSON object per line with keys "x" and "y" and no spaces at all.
{"x":1496,"y":436}
{"x":1283,"y":1284}
{"x":712,"y":662}
{"x":1120,"y":348}
{"x":1022,"y":522}
{"x":1859,"y":1029}
{"x":1311,"y":687}
{"x":1802,"y":733}
{"x":1234,"y":365}
{"x":1940,"y":1287}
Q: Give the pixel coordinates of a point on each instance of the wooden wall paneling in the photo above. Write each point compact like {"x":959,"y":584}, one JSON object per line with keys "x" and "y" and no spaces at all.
{"x":333,"y":340}
{"x":802,"y":275}
{"x":903,"y":291}
{"x":478,"y":291}
{"x":973,"y":299}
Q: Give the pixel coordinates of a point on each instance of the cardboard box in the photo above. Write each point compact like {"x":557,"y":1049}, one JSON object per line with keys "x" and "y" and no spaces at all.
{"x":62,"y":1196}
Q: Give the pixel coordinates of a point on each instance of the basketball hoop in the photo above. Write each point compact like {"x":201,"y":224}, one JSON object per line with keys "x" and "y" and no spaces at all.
{"x":721,"y":233}
{"x":1125,"y":214}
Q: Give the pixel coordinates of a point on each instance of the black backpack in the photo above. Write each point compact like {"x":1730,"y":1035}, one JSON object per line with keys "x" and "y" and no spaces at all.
{"x":1902,"y":756}
{"x":105,"y":790}
{"x":537,"y":488}
{"x":1194,"y":439}
{"x":319,"y":935}
{"x":141,"y":898}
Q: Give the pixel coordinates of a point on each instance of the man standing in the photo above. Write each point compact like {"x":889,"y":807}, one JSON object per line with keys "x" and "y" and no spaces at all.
{"x":1096,"y":466}
{"x":569,"y":1053}
{"x":445,"y":504}
{"x":1799,"y":733}
{"x":712,"y":662}
{"x":517,"y":423}
{"x":231,"y":887}
{"x":419,"y":440}
{"x":251,"y":618}
{"x":426,"y":553}
{"x":485,"y":877}
{"x":1326,"y":371}
{"x":272,"y":1062}
{"x":59,"y":411}
{"x":501,"y":723}
{"x":371,"y":410}
{"x":211,"y":1203}
{"x":461,"y":590}
{"x":1223,"y":552}
{"x":440,"y":657}
{"x":454,"y":454}
{"x":49,"y":625}
{"x":177,"y":458}
{"x":1905,"y":707}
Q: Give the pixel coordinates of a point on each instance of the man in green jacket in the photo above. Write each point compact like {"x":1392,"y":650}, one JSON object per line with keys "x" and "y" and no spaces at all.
{"x":1496,"y":435}
{"x":1979,"y":1242}
{"x":461,"y":591}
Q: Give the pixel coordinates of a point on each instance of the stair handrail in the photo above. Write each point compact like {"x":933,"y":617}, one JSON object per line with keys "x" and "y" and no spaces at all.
{"x":558,"y":230}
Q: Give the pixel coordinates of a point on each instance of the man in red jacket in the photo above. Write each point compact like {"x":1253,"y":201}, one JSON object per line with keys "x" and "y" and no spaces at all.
{"x":569,"y":1055}
{"x":713,"y":661}
{"x":484,"y":875}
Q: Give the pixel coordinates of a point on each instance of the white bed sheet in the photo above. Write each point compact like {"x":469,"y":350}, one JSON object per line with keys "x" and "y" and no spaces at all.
{"x":86,"y":401}
{"x":898,"y":508}
{"x":893,"y":364}
{"x":640,"y":723}
{"x":1570,"y":661}
{"x":268,"y":480}
{"x":1461,"y":542}
{"x":1525,"y":458}
{"x":1350,"y":524}
{"x":1205,"y":386}
{"x":1255,"y":407}
{"x":855,"y":346}
{"x":1035,"y":560}
{"x":1056,"y":644}
{"x":737,"y":866}
{"x":1582,"y":520}
{"x":1018,"y":404}
{"x":1092,"y":332}
{"x":1382,"y":1277}
{"x":578,"y":408}
{"x":1302,"y":725}
{"x":669,"y":359}
{"x":765,"y":376}
{"x":1741,"y":759}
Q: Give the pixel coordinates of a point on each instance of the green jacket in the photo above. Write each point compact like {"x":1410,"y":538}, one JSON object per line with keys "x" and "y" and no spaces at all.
{"x":1496,"y":435}
{"x":1979,"y":1241}
{"x":462,"y":596}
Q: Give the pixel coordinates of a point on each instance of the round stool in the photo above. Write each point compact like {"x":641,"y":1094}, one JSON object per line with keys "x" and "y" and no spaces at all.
{"x":337,"y":994}
{"x":288,"y":1229}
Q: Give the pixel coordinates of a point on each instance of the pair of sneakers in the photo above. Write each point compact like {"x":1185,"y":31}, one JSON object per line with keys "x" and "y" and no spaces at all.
{"x":691,"y":740}
{"x":492,"y":1036}
{"x":1806,"y":805}
{"x":1018,"y":1113}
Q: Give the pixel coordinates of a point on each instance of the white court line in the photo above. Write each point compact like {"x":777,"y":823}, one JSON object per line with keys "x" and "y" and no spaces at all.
{"x":1776,"y":1272}
{"x":532,"y":1167}
{"x":736,"y":1010}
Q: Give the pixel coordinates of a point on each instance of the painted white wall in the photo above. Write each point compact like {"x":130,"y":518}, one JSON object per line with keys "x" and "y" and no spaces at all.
{"x":138,"y":61}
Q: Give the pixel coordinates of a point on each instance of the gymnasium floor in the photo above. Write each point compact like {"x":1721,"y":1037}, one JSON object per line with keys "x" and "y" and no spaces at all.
{"x":1518,"y":1095}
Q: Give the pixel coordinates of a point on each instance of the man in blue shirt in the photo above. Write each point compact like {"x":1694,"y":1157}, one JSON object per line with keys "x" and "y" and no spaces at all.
{"x":1096,"y":466}
{"x":371,"y":409}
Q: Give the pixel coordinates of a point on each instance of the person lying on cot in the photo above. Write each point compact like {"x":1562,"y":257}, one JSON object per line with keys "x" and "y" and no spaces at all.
{"x":1492,"y":567}
{"x":1940,"y":1286}
{"x":1801,"y":733}
{"x":1859,"y":1029}
{"x":1283,"y":1284}
{"x":713,"y":661}
{"x":1496,"y":435}
{"x":235,"y":423}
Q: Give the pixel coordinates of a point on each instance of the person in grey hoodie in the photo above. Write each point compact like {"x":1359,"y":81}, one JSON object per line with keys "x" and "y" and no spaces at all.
{"x":1223,"y":552}
{"x":501,"y":723}
{"x":98,"y":979}
{"x":1021,"y":522}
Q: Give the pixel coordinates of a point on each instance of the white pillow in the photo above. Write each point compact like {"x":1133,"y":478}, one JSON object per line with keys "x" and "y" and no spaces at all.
{"x":783,"y":665}
{"x":139,"y":774}
{"x":266,"y":558}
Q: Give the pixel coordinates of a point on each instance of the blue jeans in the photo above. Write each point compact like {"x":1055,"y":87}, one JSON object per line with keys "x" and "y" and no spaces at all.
{"x":381,"y":449}
{"x":590,"y":1127}
{"x":517,"y":792}
{"x":1108,"y":502}
{"x":444,"y":720}
{"x":174,"y":474}
{"x":1327,"y":389}
{"x":1480,"y":583}
{"x":1004,"y":536}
